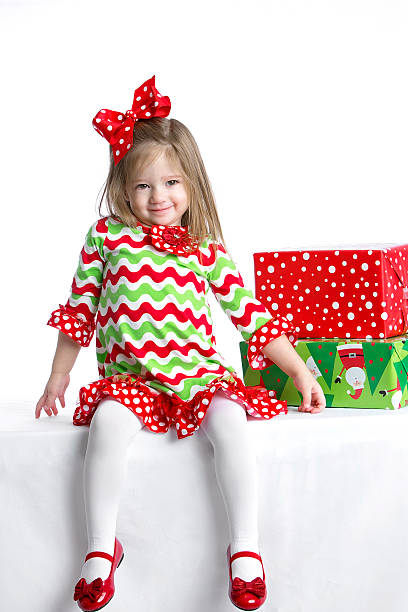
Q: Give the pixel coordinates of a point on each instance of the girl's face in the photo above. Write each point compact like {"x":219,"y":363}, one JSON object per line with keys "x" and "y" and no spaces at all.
{"x":157,"y":195}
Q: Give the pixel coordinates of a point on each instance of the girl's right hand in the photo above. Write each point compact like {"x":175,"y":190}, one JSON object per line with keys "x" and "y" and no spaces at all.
{"x":55,"y":387}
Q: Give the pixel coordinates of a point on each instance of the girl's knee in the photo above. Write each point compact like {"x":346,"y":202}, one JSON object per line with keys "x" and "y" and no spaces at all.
{"x":225,"y":419}
{"x":113,"y":417}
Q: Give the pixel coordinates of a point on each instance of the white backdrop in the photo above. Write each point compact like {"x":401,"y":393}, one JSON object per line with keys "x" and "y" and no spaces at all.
{"x":299,"y":110}
{"x":298,"y":107}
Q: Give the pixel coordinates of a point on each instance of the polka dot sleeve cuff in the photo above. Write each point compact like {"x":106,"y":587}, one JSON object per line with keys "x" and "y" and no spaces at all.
{"x":70,"y":324}
{"x":266,"y":333}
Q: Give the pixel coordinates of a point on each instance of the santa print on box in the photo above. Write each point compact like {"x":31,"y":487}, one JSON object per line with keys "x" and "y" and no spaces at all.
{"x":352,"y":357}
{"x":344,"y":293}
{"x":352,"y":373}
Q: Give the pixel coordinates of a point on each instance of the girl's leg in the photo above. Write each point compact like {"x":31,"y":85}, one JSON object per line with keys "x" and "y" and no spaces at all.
{"x":112,"y":428}
{"x":236,"y":470}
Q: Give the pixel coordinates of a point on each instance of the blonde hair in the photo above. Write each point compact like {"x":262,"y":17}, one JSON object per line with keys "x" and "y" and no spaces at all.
{"x":151,"y":137}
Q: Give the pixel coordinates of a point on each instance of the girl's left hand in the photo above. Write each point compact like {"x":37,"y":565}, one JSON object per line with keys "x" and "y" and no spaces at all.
{"x":313,"y":399}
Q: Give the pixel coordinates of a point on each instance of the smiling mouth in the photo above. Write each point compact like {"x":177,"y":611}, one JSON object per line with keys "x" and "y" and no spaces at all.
{"x":160,"y":209}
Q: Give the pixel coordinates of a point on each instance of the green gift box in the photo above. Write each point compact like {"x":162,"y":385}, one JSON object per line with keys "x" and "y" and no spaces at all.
{"x":352,"y":373}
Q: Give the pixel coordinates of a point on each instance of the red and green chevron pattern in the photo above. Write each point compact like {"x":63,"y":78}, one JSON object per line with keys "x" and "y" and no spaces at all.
{"x":152,"y":316}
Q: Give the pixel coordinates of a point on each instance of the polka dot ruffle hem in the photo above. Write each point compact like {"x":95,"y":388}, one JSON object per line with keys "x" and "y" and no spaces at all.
{"x":70,"y":324}
{"x":270,"y":331}
{"x":159,"y":411}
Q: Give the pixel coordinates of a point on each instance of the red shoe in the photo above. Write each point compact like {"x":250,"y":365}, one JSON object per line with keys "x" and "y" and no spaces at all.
{"x":246,"y":595}
{"x":98,"y":593}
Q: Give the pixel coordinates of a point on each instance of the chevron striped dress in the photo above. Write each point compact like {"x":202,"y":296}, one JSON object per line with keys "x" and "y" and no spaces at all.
{"x":142,"y":291}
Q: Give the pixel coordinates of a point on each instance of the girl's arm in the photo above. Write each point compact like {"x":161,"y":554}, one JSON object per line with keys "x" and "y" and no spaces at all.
{"x":255,"y":323}
{"x":65,"y":356}
{"x":281,"y":352}
{"x":270,"y":336}
{"x":75,"y":319}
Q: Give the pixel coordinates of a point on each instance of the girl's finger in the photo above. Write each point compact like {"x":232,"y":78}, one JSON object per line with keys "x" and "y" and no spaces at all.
{"x":306,"y":395}
{"x":48,"y":406}
{"x":301,"y":407}
{"x":318,"y":405}
{"x":38,"y":407}
{"x":319,"y":398}
{"x":316,"y":409}
{"x":61,"y":400}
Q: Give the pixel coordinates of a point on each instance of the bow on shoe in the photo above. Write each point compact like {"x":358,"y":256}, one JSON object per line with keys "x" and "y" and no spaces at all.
{"x":93,"y":590}
{"x":256,"y":586}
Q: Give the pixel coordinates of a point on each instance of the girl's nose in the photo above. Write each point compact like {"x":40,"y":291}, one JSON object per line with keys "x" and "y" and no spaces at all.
{"x":157,"y":195}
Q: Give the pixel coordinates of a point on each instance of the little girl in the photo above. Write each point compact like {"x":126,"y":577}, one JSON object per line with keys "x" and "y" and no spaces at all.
{"x":145,"y":271}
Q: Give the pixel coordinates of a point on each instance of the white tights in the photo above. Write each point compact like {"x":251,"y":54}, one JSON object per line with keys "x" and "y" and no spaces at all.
{"x":112,"y":429}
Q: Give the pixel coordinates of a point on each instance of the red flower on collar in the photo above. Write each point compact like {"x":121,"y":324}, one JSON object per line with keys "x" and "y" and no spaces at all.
{"x":172,"y":238}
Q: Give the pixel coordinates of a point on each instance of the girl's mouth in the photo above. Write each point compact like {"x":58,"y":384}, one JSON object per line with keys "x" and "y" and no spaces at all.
{"x":157,"y":210}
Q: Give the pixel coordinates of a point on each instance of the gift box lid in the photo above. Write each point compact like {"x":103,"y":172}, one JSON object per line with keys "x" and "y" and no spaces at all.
{"x":355,"y":291}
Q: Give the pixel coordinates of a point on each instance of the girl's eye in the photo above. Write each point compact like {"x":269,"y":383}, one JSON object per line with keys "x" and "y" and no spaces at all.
{"x":172,"y":181}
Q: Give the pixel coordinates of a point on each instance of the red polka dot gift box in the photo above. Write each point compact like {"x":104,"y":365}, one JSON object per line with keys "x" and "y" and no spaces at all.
{"x":350,"y":292}
{"x":352,"y":373}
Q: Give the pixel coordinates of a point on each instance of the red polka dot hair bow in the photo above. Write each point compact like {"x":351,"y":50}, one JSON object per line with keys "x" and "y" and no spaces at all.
{"x":117,"y":127}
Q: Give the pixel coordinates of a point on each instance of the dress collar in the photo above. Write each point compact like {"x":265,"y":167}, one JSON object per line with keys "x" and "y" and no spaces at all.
{"x":147,"y":229}
{"x":172,"y":238}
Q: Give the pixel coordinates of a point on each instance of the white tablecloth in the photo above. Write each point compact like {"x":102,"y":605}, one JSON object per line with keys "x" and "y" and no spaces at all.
{"x":333,"y":515}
